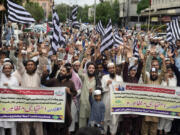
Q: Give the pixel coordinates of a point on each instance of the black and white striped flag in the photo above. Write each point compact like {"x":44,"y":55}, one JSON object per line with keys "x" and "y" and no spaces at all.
{"x":57,"y":38}
{"x":18,"y":14}
{"x":100,"y":29}
{"x":169,"y":36}
{"x":118,"y":40}
{"x":135,"y":49}
{"x":173,"y":31}
{"x":75,"y":23}
{"x":107,"y":41}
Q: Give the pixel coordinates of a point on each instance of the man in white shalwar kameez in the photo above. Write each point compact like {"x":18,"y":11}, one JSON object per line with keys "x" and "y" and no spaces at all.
{"x":7,"y":80}
{"x":107,"y":80}
{"x":170,"y":81}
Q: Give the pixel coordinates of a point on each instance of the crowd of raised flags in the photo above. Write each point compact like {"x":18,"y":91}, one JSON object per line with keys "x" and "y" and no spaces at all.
{"x":110,"y":37}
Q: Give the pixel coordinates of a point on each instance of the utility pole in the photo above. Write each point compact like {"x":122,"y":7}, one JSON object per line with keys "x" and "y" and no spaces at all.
{"x":149,"y":18}
{"x":1,"y":25}
{"x":94,"y":12}
{"x":127,"y":19}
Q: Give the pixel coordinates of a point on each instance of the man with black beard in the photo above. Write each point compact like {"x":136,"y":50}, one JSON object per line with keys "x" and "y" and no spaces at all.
{"x":150,"y":123}
{"x":88,"y":84}
{"x":74,"y":77}
{"x":30,"y":75}
{"x":110,"y":120}
{"x":62,"y":80}
{"x":76,"y":66}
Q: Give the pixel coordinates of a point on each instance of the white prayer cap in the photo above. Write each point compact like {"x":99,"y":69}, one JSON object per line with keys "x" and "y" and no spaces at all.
{"x":155,"y":38}
{"x":59,"y":59}
{"x":142,"y":35}
{"x":97,"y":92}
{"x":167,"y":59}
{"x":7,"y":63}
{"x":110,"y":64}
{"x":160,"y":38}
{"x":162,"y":41}
{"x":6,"y":59}
{"x":78,"y":42}
{"x":133,"y":67}
{"x":77,"y":61}
{"x":153,"y":69}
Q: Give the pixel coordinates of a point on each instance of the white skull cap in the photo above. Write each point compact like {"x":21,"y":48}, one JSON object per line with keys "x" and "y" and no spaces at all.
{"x":97,"y":92}
{"x":110,"y":64}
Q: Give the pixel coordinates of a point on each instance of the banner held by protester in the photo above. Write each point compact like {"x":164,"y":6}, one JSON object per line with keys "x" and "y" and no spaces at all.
{"x":25,"y":104}
{"x":145,"y":100}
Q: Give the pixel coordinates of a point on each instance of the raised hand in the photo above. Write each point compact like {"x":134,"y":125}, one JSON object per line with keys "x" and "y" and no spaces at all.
{"x":129,"y":54}
{"x":169,"y":53}
{"x":162,"y":56}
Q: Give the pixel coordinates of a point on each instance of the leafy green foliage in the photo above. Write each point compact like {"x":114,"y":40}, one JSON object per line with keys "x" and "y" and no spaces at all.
{"x":83,"y":13}
{"x":36,"y":11}
{"x":104,"y":12}
{"x":63,"y":11}
{"x":143,"y":4}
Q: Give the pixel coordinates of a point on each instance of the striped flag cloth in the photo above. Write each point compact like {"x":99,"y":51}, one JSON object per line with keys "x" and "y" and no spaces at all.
{"x":118,"y":40}
{"x":169,"y":36}
{"x":75,"y":23}
{"x":100,"y":29}
{"x":135,"y":49}
{"x":173,"y":31}
{"x":57,"y":38}
{"x":18,"y":14}
{"x":107,"y":40}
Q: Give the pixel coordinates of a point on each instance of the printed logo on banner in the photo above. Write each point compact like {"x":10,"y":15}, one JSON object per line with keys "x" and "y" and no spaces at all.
{"x":59,"y":93}
{"x":58,"y":117}
{"x":177,"y":93}
{"x":120,"y":88}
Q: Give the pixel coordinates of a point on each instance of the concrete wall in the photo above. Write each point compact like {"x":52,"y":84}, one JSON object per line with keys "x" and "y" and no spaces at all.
{"x":160,"y":4}
{"x":124,"y":8}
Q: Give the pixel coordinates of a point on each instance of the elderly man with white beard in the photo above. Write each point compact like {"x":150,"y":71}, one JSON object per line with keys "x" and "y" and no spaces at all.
{"x":7,"y":80}
{"x":110,"y":120}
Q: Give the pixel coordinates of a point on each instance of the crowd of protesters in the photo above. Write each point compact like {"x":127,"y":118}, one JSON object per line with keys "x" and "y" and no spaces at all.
{"x":87,"y":75}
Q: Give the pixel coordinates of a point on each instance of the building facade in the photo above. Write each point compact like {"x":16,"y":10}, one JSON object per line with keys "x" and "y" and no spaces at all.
{"x":91,"y":12}
{"x":162,"y":11}
{"x":128,"y":12}
{"x":46,"y":5}
{"x":164,"y":4}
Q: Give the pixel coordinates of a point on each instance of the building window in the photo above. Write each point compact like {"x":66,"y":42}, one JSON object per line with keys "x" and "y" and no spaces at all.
{"x":44,"y":5}
{"x":134,"y":1}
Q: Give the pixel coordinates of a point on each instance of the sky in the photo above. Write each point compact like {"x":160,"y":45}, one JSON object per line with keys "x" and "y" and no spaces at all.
{"x":79,"y":2}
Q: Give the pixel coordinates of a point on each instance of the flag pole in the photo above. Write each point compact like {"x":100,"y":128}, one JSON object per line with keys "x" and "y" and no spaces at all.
{"x":149,"y":18}
{"x":94,"y":12}
{"x":1,"y":25}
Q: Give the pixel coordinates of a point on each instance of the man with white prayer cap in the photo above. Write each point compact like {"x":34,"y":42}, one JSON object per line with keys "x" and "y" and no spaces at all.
{"x":150,"y":123}
{"x":107,"y":80}
{"x":7,"y":79}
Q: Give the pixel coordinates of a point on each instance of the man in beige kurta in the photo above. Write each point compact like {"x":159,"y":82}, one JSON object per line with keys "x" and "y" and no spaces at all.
{"x":150,"y":123}
{"x":31,"y":78}
{"x":88,"y":83}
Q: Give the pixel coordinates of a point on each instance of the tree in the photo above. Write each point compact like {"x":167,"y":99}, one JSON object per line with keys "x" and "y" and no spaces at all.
{"x":115,"y":7}
{"x":83,"y":14}
{"x":104,"y":12}
{"x":36,"y":11}
{"x":63,"y":11}
{"x":50,"y":17}
{"x":143,"y":4}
